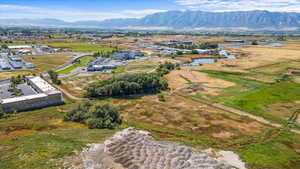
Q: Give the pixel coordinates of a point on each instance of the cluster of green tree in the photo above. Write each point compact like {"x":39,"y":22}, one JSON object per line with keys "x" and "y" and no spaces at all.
{"x":205,"y":45}
{"x":14,"y":82}
{"x":54,"y":77}
{"x":281,"y":38}
{"x":129,"y":84}
{"x":99,"y":116}
{"x":165,"y":68}
{"x":105,"y":54}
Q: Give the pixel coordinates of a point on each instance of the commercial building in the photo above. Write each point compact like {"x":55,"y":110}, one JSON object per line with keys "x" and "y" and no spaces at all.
{"x":116,"y":59}
{"x":42,"y":95}
{"x":20,"y":47}
{"x":4,"y":65}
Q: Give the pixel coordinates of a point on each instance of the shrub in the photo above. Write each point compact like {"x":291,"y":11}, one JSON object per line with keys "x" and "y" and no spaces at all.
{"x":161,"y":97}
{"x":165,"y":68}
{"x":254,"y":42}
{"x":54,"y":77}
{"x":97,"y":116}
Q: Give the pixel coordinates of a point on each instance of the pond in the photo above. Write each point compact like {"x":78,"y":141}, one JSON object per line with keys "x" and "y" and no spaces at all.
{"x":198,"y":62}
{"x":229,"y":46}
{"x":225,"y":53}
{"x":201,"y":61}
{"x":276,"y":44}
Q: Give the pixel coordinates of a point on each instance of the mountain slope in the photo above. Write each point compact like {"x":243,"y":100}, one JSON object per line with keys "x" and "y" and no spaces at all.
{"x":194,"y":19}
{"x":180,"y":20}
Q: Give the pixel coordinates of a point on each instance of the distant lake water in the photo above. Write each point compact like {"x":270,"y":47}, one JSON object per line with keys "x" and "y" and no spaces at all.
{"x":201,"y":61}
{"x":276,"y":44}
{"x":229,"y":46}
{"x":198,"y":62}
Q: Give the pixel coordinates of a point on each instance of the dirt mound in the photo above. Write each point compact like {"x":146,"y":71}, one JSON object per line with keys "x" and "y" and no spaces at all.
{"x":134,"y":149}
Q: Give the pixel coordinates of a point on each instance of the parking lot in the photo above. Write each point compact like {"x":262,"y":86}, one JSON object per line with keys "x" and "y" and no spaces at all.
{"x":8,"y":63}
{"x":6,"y":93}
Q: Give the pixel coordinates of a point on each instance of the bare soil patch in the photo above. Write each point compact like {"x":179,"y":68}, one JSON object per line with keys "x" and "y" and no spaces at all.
{"x":183,"y":79}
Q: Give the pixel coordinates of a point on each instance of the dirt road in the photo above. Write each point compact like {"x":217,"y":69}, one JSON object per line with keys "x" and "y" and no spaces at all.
{"x":243,"y":113}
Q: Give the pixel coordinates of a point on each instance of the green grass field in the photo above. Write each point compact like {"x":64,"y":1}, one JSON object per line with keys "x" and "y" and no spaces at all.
{"x":257,"y":97}
{"x":279,"y":92}
{"x":79,"y":47}
{"x":83,"y":62}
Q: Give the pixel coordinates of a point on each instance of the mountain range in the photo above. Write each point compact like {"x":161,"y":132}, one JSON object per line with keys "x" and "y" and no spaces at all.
{"x":180,"y":20}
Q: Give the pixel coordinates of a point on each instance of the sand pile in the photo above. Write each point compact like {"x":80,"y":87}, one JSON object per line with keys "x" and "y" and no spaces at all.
{"x":134,"y":149}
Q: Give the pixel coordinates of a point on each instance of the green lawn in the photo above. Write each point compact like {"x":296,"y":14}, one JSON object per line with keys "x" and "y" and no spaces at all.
{"x":79,"y":47}
{"x":279,"y":92}
{"x":83,"y":62}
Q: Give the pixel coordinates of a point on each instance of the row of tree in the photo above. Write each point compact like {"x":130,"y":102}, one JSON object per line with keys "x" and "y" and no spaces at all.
{"x":14,"y":82}
{"x":105,"y":54}
{"x":124,"y":85}
{"x":99,"y":116}
{"x":205,"y":45}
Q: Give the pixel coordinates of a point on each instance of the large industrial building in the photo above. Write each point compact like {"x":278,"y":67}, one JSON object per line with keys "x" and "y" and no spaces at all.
{"x":37,"y":93}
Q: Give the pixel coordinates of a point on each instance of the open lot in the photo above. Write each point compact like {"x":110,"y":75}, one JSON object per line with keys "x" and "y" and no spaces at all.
{"x":48,"y":62}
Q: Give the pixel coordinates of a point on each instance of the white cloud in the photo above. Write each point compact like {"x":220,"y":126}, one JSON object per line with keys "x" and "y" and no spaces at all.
{"x":15,"y":11}
{"x":143,"y":12}
{"x":15,"y":7}
{"x":242,"y":5}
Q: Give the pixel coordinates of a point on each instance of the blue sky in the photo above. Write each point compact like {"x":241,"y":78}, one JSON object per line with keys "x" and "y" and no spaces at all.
{"x":74,"y":10}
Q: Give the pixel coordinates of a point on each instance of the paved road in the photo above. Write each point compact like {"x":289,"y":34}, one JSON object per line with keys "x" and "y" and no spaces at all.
{"x":74,"y":57}
{"x":243,"y":113}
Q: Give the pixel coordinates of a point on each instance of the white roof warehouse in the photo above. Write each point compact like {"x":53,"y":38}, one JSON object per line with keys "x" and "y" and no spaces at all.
{"x":45,"y":95}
